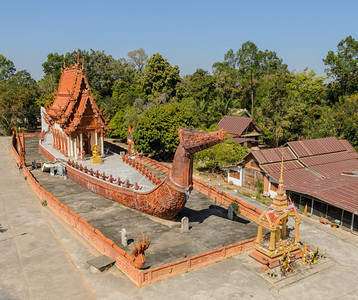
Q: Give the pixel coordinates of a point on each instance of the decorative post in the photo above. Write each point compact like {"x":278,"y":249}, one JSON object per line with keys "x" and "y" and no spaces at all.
{"x":272,"y":245}
{"x":95,"y":138}
{"x":102,"y":144}
{"x":297,"y":231}
{"x":284,"y":227}
{"x":259,"y":234}
{"x":81,"y":146}
{"x":75,"y":148}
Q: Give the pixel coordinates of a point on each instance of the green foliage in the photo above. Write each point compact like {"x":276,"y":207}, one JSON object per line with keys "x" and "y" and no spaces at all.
{"x":160,"y":77}
{"x":288,"y":105}
{"x":17,"y":102}
{"x":102,"y":70}
{"x":157,"y":131}
{"x":259,"y":185}
{"x":220,"y":155}
{"x":341,"y":120}
{"x":251,"y":64}
{"x":138,"y":58}
{"x":44,"y":203}
{"x":343,"y":67}
{"x":7,"y":68}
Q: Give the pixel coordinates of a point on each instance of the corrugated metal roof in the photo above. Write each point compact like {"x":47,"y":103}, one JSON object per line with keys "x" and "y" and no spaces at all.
{"x":336,"y":168}
{"x":325,"y":158}
{"x":296,"y":177}
{"x":273,"y":155}
{"x":316,"y":146}
{"x":287,"y":165}
{"x":340,"y":191}
{"x":348,"y":146}
{"x":234,"y":125}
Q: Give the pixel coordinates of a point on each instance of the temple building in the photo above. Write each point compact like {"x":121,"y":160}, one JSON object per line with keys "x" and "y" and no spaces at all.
{"x":74,"y":119}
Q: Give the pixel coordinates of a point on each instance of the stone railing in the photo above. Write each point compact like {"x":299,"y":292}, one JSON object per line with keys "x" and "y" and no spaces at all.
{"x":141,"y":168}
{"x":103,"y":176}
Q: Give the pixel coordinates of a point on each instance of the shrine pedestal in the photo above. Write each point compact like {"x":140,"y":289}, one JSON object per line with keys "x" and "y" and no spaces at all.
{"x":272,"y":261}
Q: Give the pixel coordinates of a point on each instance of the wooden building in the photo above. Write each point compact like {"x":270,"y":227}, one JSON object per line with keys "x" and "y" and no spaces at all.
{"x":320,"y":173}
{"x":243,"y":130}
{"x":74,"y":119}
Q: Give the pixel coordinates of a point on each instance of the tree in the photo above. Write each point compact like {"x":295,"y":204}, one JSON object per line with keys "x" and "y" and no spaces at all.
{"x":157,"y":131}
{"x":290,"y":103}
{"x":102,"y":70}
{"x":46,"y":87}
{"x":7,"y":68}
{"x":160,"y":77}
{"x":251,"y":63}
{"x":138,"y":58}
{"x":341,"y":120}
{"x":343,"y":66}
{"x":220,"y":155}
{"x":17,"y":102}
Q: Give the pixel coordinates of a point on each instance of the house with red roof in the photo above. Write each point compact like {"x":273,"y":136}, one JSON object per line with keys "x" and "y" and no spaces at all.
{"x":322,"y":173}
{"x":243,"y":130}
{"x":74,"y":119}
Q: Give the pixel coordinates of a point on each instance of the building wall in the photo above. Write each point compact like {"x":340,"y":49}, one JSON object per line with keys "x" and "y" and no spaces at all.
{"x":272,"y":188}
{"x":234,"y":179}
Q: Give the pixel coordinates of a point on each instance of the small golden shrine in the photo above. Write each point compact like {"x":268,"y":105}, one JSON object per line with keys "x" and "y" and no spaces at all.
{"x":275,"y":219}
{"x":96,"y":155}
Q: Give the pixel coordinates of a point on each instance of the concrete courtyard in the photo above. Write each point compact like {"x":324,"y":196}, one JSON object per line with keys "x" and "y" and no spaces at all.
{"x":44,"y":258}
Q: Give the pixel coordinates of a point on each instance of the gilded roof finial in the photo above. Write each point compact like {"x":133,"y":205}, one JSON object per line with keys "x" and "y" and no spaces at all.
{"x":64,"y":62}
{"x":78,"y":57}
{"x":281,"y":180}
{"x":83,"y":63}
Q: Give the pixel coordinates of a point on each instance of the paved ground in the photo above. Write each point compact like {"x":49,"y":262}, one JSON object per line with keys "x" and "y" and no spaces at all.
{"x":43,"y":258}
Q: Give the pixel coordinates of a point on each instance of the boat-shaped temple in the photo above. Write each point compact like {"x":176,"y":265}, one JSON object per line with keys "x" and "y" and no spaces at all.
{"x":73,"y":129}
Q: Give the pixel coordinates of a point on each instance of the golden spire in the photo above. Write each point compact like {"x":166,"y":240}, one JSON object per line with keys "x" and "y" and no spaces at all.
{"x":64,"y":62}
{"x":280,"y":200}
{"x":281,"y":180}
{"x":83,"y":63}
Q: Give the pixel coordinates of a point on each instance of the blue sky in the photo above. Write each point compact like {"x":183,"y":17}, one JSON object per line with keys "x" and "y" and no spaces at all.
{"x":190,"y":34}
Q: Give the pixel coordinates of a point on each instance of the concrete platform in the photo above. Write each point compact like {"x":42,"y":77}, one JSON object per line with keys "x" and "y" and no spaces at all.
{"x":209,"y":226}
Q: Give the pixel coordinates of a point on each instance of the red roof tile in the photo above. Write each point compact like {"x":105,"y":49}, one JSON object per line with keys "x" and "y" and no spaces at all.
{"x":234,"y":125}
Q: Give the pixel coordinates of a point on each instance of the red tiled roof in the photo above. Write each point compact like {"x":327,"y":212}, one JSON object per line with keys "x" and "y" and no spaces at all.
{"x":316,"y":146}
{"x":71,"y":100}
{"x":234,"y":125}
{"x":273,"y":155}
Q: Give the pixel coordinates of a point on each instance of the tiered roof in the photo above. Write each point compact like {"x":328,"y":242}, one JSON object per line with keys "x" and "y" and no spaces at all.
{"x":73,"y":101}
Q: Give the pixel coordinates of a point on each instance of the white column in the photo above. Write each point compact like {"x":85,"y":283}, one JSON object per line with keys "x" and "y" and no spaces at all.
{"x":102,"y":145}
{"x":68,"y":146}
{"x":81,"y":145}
{"x":95,"y":138}
{"x":71,"y":147}
{"x":75,"y":148}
